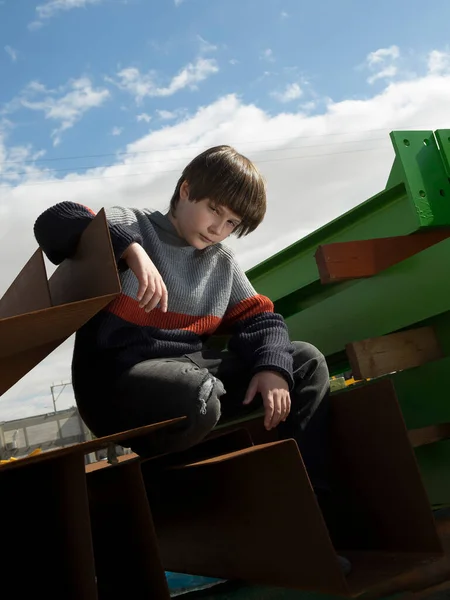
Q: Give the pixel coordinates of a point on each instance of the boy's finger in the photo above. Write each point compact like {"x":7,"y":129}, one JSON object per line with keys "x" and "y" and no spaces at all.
{"x":277,"y":409}
{"x":251,"y":391}
{"x":154,"y":301}
{"x":164,"y":298}
{"x":268,"y":405}
{"x":142,"y":287}
{"x":149,"y":293}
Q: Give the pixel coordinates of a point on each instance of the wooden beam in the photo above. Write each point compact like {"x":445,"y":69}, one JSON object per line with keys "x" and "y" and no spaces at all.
{"x":429,"y":435}
{"x":364,"y":258}
{"x":386,"y":354}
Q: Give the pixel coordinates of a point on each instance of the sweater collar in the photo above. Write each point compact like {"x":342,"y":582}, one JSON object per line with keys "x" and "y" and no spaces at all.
{"x":164,"y":223}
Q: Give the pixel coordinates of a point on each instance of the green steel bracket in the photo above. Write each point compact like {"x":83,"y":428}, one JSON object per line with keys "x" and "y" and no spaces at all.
{"x":424,"y":175}
{"x":443,"y":138}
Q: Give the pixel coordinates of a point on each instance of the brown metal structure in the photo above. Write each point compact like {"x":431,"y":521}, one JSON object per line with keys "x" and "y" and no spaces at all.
{"x":238,"y":506}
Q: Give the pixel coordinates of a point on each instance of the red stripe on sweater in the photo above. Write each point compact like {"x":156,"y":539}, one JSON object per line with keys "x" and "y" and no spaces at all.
{"x":87,"y":208}
{"x":128,"y":309}
{"x":247,"y":308}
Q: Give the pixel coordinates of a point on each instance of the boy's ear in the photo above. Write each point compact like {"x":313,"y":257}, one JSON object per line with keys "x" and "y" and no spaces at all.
{"x":184,"y":191}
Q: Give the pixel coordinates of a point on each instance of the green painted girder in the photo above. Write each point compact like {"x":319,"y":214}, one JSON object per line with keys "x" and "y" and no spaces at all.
{"x":417,"y":196}
{"x":409,"y":292}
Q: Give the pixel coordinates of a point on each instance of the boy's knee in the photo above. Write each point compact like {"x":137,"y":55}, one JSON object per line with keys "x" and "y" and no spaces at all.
{"x":202,"y":415}
{"x":309,"y":361}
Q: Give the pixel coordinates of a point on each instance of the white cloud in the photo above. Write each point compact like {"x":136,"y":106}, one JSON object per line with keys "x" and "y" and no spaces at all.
{"x":52,"y":7}
{"x":233,"y":61}
{"x":383,"y":63}
{"x":66,"y":105}
{"x":178,"y":2}
{"x":11,"y":52}
{"x":348,"y":141}
{"x":143,"y":117}
{"x":168,"y":115}
{"x":141,"y":85}
{"x":267,"y":54}
{"x":116,"y":130}
{"x":383,"y":54}
{"x":284,"y":14}
{"x":291,"y":92}
{"x":438,"y":62}
{"x":205,"y":46}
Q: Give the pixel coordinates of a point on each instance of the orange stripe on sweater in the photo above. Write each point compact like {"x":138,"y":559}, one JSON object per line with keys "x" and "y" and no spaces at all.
{"x":87,"y":208}
{"x":247,"y":308}
{"x":128,"y":309}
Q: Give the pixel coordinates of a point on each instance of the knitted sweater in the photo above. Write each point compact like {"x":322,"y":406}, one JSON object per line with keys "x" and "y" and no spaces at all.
{"x":207,"y":293}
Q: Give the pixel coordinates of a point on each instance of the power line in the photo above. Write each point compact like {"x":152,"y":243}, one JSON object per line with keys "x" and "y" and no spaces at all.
{"x":64,"y":181}
{"x":189,"y":147}
{"x":149,"y":162}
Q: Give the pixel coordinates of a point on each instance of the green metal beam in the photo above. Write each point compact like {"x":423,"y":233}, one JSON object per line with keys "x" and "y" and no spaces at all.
{"x":424,"y":175}
{"x":417,"y":196}
{"x":408,"y":292}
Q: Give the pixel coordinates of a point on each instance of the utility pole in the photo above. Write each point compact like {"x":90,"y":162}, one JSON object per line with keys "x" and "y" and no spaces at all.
{"x":61,"y":385}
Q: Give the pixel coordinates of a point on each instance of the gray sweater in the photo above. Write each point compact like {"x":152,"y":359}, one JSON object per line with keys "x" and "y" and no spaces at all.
{"x":208,"y":293}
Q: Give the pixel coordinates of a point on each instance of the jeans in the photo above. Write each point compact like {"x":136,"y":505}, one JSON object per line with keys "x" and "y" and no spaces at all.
{"x":208,"y":387}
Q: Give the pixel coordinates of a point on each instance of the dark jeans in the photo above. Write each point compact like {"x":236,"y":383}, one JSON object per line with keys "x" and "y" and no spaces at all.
{"x":208,"y":387}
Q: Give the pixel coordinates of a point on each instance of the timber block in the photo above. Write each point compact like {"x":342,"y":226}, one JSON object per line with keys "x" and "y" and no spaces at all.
{"x":365,"y":258}
{"x":385,"y":354}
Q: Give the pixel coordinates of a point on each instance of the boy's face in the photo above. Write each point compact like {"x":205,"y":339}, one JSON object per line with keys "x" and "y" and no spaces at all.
{"x":202,"y":223}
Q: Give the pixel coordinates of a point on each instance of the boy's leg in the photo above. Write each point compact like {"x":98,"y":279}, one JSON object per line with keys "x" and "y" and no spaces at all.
{"x":158,"y":390}
{"x":308,"y":421}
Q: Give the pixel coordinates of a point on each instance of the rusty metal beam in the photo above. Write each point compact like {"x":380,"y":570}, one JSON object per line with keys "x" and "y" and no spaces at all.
{"x":128,"y":564}
{"x":46,"y":535}
{"x":29,"y":291}
{"x":38,"y":315}
{"x":382,"y":500}
{"x":248,"y":515}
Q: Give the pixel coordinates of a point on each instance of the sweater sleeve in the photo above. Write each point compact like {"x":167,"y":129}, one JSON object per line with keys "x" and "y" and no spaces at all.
{"x":59,"y":228}
{"x":258,"y":334}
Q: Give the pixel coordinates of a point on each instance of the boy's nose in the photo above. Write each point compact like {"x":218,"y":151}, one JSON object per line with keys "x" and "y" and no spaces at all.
{"x":216,"y":228}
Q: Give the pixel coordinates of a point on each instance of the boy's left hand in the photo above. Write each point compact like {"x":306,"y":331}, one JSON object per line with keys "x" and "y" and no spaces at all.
{"x":275,"y":394}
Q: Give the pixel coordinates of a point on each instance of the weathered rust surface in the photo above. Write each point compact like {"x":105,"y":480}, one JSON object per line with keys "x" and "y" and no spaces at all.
{"x":383,"y":501}
{"x":249,"y":515}
{"x":46,"y":529}
{"x":37,"y":315}
{"x":29,"y":291}
{"x":122,"y":526}
{"x":89,"y":446}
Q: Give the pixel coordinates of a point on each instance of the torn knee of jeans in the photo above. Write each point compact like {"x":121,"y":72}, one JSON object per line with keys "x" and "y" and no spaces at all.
{"x":209,"y":386}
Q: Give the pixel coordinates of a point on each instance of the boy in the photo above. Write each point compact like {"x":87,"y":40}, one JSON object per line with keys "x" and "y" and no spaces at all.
{"x":142,"y":359}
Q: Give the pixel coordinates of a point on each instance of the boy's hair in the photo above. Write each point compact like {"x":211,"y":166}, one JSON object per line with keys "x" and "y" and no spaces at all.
{"x":229,"y":179}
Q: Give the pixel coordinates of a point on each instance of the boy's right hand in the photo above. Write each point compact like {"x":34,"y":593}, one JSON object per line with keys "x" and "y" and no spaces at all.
{"x":152,"y":289}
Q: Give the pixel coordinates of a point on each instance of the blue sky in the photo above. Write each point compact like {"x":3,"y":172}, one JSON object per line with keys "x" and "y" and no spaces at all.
{"x":104,"y":102}
{"x":253,"y":48}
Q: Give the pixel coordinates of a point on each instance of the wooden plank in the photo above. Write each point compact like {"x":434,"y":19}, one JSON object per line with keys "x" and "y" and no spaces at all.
{"x":429,"y":435}
{"x":409,"y":292}
{"x":374,"y":357}
{"x":365,"y":258}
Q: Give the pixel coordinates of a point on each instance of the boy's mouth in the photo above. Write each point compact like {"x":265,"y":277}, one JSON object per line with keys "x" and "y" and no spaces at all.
{"x":205,"y":239}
